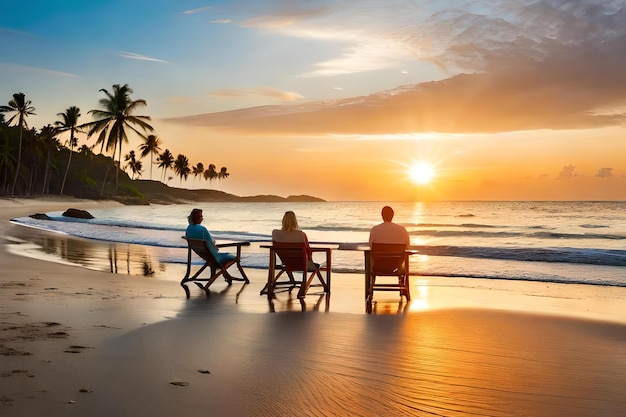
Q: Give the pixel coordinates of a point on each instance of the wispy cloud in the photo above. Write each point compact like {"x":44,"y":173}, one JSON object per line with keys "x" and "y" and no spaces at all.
{"x":221,"y":21}
{"x":8,"y":33}
{"x":37,"y":69}
{"x":568,"y":172}
{"x":198,"y":10}
{"x":365,"y":42}
{"x":131,"y":55}
{"x":259,"y":92}
{"x":604,"y":172}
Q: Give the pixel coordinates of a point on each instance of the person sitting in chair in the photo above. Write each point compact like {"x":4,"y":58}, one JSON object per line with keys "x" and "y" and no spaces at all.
{"x":196,"y":231}
{"x":291,"y":233}
{"x":388,"y":231}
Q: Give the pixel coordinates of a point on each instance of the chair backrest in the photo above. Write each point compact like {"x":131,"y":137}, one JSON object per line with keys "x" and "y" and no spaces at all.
{"x":293,"y":255}
{"x":387,"y":258}
{"x":199,"y":246}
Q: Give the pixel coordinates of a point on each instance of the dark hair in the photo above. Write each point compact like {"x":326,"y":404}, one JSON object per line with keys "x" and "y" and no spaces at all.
{"x":193,"y":216}
{"x":387,"y":213}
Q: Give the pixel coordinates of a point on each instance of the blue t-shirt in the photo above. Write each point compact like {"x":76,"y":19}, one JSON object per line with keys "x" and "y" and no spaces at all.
{"x":197,"y":231}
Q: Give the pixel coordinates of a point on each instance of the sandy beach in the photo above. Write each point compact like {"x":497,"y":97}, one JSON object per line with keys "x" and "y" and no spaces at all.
{"x":79,"y":342}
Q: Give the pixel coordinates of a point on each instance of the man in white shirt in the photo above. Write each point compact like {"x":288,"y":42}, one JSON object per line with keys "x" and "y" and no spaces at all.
{"x":388,"y":231}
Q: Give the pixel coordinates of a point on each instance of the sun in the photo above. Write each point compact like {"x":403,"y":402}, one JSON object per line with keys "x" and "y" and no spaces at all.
{"x":421,"y":173}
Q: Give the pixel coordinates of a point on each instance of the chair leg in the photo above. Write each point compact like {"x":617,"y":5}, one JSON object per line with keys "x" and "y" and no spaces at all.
{"x":325,"y":285}
{"x":403,"y":284}
{"x":407,"y":288}
{"x":187,"y":293}
{"x":243,"y":274}
{"x":370,"y":292}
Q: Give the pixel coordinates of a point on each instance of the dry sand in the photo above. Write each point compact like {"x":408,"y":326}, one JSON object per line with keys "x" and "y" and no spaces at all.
{"x":77,"y":342}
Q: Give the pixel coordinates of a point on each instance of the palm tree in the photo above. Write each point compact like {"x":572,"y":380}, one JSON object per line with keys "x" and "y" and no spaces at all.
{"x":69,"y":122}
{"x":115,"y":118}
{"x":33,"y":157}
{"x":165,"y":160}
{"x":152,"y":146}
{"x":223,"y":173}
{"x":181,"y":167}
{"x":135,"y":166}
{"x":50,"y":143}
{"x":7,"y":161}
{"x":197,"y":170}
{"x":210,"y":174}
{"x":86,"y":151}
{"x":22,"y":109}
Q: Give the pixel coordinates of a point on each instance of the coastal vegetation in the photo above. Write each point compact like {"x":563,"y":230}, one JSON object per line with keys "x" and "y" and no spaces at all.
{"x":39,"y":162}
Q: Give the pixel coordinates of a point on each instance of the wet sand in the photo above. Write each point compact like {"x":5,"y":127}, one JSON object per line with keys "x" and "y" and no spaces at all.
{"x":77,"y":342}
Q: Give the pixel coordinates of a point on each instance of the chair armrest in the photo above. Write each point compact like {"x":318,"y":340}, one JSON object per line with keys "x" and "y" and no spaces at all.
{"x":327,"y":250}
{"x":232,"y":244}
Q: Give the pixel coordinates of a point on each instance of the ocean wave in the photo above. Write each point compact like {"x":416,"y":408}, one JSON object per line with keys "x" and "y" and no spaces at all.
{"x":535,"y":278}
{"x":468,"y":225}
{"x":545,"y":235}
{"x":605,"y":257}
{"x":594,"y":226}
{"x":113,"y":223}
{"x":338,"y":228}
{"x":556,"y":235}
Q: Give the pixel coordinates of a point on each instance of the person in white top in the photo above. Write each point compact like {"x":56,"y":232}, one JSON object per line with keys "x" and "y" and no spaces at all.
{"x":388,"y":231}
{"x":290,"y":232}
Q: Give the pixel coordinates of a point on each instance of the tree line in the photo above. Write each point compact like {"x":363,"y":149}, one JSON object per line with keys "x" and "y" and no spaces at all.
{"x":36,"y":162}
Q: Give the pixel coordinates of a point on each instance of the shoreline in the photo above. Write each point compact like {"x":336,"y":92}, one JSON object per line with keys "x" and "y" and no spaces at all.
{"x":82,"y":342}
{"x":430,"y":292}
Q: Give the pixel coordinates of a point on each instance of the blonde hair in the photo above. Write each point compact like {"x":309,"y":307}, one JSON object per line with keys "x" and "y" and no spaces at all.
{"x":289,"y":221}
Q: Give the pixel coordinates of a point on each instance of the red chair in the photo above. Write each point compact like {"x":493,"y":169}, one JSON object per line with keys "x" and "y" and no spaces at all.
{"x":297,"y":269}
{"x":389,"y":260}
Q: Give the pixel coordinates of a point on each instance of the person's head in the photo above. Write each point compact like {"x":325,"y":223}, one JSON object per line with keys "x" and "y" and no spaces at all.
{"x":289,"y":221}
{"x":387,"y":213}
{"x":195,"y":217}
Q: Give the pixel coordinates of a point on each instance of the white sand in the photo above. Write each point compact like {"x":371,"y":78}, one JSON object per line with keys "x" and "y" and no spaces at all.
{"x":503,"y":349}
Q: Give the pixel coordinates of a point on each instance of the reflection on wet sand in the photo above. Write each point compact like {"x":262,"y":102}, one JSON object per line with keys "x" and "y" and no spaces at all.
{"x":292,"y":303}
{"x":116,"y":258}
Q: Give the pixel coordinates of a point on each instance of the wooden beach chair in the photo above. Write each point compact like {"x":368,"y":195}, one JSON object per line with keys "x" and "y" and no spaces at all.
{"x":200,"y":248}
{"x":389,"y":260}
{"x":294,"y":261}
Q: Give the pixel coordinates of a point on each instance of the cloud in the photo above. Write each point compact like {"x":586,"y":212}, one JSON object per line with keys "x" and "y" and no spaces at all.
{"x":131,"y":55}
{"x":512,"y":66}
{"x":364,"y":30}
{"x":198,"y":10}
{"x":7,"y":33}
{"x":567,"y":173}
{"x":259,"y":92}
{"x":37,"y":69}
{"x":604,"y":172}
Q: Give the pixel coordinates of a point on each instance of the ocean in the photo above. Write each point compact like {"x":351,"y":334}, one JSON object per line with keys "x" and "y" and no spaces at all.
{"x":558,"y":242}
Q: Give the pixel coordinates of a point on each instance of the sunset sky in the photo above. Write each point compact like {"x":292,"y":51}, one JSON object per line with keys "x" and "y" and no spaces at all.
{"x":503,"y":100}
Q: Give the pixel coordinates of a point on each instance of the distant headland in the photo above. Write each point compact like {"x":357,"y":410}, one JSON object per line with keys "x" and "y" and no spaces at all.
{"x":155,"y":192}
